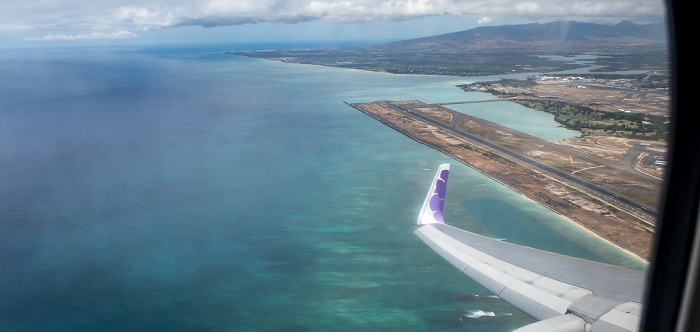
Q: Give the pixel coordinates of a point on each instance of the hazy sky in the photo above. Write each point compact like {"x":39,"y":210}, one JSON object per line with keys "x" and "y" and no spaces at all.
{"x":33,"y":22}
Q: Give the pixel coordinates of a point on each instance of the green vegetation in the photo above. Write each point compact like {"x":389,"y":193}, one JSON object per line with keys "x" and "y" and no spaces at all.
{"x":497,"y":50}
{"x":502,"y":87}
{"x":621,"y":62}
{"x":583,"y":118}
{"x":421,"y":63}
{"x":518,"y":83}
{"x":595,"y":122}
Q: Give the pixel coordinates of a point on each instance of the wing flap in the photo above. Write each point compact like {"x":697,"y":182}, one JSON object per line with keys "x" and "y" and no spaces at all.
{"x":565,"y":293}
{"x":565,"y":323}
{"x":506,"y":280}
{"x":605,"y":280}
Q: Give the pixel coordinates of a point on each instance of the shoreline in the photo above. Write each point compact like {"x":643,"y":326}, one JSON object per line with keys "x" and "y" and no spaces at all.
{"x":583,"y":228}
{"x":615,"y":228}
{"x":363,"y":70}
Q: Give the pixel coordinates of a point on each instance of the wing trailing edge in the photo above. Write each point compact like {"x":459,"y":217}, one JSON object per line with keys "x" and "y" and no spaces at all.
{"x":564,"y":293}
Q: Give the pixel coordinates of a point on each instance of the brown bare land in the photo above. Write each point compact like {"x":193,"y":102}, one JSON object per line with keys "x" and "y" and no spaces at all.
{"x":633,"y":106}
{"x":605,"y":96}
{"x":601,"y":160}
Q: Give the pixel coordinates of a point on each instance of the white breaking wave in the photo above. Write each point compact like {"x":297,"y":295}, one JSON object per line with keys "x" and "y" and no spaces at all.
{"x":479,"y":314}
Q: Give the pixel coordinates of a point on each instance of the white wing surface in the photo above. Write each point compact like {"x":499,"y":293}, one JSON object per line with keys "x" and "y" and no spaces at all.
{"x":564,"y":293}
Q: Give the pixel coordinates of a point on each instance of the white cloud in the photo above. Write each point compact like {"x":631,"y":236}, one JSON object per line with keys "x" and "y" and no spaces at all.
{"x":485,"y":20}
{"x":78,"y":16}
{"x":94,"y":35}
{"x":142,"y":17}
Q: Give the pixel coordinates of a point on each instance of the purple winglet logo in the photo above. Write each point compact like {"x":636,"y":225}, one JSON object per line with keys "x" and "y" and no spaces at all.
{"x":437,"y":201}
{"x":434,"y":202}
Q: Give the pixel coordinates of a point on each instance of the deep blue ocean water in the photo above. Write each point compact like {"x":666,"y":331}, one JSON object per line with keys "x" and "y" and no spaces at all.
{"x":186,"y":189}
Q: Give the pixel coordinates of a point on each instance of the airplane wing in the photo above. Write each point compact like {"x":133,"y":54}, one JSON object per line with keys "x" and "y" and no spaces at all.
{"x":564,"y":293}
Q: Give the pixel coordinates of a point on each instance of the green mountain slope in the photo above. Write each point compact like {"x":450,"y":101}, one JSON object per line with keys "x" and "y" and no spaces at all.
{"x":498,"y":49}
{"x":560,"y":36}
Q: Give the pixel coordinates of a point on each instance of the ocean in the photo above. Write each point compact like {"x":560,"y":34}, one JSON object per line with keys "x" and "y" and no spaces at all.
{"x":181,"y":188}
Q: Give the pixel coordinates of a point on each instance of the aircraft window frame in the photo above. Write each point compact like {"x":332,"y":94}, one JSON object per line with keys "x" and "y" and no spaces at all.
{"x":671,"y":292}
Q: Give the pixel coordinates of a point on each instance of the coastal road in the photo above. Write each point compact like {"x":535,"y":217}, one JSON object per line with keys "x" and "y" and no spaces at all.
{"x":585,"y":184}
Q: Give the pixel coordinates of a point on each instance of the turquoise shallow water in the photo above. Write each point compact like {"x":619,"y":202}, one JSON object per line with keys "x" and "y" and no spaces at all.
{"x":518,"y":117}
{"x":187,"y":189}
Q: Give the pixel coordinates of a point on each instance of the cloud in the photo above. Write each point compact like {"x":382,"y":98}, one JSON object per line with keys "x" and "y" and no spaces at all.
{"x":485,"y":20}
{"x":220,"y":12}
{"x":94,"y":35}
{"x":134,"y":15}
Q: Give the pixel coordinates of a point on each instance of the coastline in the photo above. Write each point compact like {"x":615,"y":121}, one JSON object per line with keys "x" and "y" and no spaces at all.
{"x":609,"y":223}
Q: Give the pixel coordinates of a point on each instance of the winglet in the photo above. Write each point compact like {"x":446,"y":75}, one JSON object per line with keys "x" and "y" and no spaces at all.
{"x":431,"y":212}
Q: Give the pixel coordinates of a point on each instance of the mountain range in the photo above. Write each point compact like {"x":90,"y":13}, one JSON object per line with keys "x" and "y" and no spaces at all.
{"x":494,"y":50}
{"x":560,"y":36}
